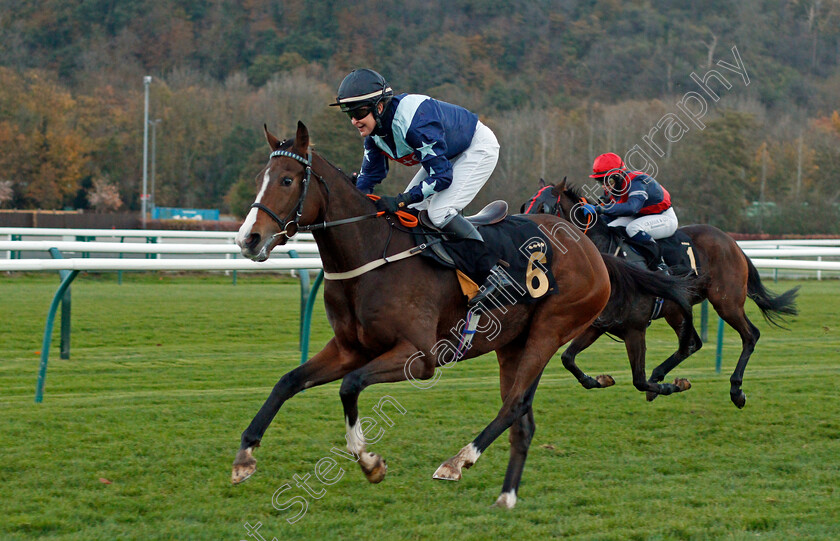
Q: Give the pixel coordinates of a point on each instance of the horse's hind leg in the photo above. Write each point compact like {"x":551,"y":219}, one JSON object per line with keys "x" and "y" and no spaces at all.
{"x":634,"y":342}
{"x":580,"y":343}
{"x":514,"y":406}
{"x":551,"y":327}
{"x":521,"y":431}
{"x":689,"y":343}
{"x":389,"y":368}
{"x":737,"y":319}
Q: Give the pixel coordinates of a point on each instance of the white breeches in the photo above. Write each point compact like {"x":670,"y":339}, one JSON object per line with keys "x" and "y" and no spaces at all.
{"x":658,"y":226}
{"x":470,"y":171}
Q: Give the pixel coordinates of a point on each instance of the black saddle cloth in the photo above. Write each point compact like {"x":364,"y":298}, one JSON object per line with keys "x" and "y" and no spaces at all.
{"x":677,"y":251}
{"x":516,"y":243}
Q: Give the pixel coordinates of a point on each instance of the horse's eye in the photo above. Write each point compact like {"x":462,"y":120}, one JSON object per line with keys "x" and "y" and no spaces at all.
{"x":287,"y":181}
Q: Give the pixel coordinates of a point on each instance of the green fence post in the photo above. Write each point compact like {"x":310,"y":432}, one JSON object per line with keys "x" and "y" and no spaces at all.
{"x":64,"y":349}
{"x":304,"y":294}
{"x":85,"y":238}
{"x":15,"y":254}
{"x":719,"y":353}
{"x":45,"y":346}
{"x":307,"y":317}
{"x":152,"y":240}
{"x":119,"y":273}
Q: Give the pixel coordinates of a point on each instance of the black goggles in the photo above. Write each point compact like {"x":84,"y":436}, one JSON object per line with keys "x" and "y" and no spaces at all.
{"x":359,"y":113}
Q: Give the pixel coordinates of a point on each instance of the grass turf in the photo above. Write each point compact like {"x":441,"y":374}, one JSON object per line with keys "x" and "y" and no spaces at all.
{"x":167,"y":370}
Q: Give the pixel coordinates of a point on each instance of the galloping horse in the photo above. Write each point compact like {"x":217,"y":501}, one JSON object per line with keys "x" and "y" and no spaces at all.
{"x":726,"y":279}
{"x":627,"y":315}
{"x":390,"y":322}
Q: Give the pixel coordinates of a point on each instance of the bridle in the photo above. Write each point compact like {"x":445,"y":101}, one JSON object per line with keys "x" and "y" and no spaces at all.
{"x":298,"y":210}
{"x":557,"y":210}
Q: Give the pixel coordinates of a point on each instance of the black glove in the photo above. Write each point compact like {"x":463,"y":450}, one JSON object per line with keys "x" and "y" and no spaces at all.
{"x":392,"y":204}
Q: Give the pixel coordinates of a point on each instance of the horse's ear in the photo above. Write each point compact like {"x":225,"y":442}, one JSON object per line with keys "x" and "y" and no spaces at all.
{"x":561,"y":186}
{"x":273,"y":142}
{"x":302,"y":138}
{"x":542,"y":184}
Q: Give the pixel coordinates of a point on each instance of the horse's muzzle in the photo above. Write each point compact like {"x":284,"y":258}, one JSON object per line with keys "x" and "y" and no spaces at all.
{"x":257,"y":247}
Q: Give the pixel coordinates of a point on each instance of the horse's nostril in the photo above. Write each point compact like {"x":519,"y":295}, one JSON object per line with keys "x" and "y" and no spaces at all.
{"x":253,"y":240}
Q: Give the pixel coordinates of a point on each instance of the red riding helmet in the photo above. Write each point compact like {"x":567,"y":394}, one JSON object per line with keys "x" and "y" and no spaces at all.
{"x":605,"y":163}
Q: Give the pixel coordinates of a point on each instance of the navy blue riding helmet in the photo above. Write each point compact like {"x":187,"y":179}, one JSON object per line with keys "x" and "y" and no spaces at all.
{"x":361,"y":91}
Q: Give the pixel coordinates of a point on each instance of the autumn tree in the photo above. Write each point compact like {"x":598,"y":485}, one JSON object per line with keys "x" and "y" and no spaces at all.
{"x":104,"y":196}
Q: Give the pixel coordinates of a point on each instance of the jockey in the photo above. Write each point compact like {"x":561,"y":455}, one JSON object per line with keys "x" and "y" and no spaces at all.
{"x":456,"y":152}
{"x":638,"y":203}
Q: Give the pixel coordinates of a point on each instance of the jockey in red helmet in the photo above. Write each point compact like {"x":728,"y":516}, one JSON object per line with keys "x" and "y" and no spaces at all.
{"x":636,"y":202}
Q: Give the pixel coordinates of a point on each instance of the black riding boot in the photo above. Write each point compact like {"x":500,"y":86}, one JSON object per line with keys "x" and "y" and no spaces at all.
{"x":651,"y":251}
{"x":480,"y":265}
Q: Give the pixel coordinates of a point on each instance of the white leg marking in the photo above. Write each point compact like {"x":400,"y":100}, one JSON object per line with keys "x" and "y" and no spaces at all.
{"x":355,"y":438}
{"x":470,"y":454}
{"x":357,"y":445}
{"x":507,"y":500}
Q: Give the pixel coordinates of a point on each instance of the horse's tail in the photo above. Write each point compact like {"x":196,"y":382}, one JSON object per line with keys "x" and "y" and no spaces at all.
{"x":773,"y":307}
{"x":627,"y":278}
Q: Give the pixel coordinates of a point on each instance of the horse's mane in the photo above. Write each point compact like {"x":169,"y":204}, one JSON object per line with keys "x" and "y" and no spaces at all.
{"x":286,"y":144}
{"x":599,"y":227}
{"x":573,"y":192}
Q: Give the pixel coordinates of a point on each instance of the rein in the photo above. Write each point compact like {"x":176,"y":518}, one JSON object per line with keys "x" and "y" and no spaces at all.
{"x":583,"y":201}
{"x":405,"y":218}
{"x":558,"y":211}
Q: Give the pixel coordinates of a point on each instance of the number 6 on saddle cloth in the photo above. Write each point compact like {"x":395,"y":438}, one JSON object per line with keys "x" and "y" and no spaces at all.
{"x":516,"y":243}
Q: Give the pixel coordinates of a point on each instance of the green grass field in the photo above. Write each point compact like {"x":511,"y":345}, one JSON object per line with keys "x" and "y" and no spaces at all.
{"x":166,"y":372}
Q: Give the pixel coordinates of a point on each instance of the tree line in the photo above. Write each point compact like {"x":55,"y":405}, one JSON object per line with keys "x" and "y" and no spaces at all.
{"x":558,"y":81}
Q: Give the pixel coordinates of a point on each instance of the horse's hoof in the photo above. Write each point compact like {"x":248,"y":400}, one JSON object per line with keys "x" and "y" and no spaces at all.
{"x":739,"y":399}
{"x":448,"y":472}
{"x":651,"y":396}
{"x":375,"y":469}
{"x":506,"y":500}
{"x":244,"y":466}
{"x":605,"y":380}
{"x":683,"y":384}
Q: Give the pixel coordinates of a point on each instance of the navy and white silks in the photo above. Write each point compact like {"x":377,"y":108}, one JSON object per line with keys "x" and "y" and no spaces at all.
{"x":456,"y":152}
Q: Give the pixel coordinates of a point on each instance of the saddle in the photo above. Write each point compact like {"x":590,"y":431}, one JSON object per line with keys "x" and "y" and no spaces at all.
{"x":493,"y":213}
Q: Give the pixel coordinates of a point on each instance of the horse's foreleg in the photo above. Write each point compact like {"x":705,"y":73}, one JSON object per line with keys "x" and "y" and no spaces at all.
{"x":328,"y":365}
{"x":392,"y":367}
{"x":586,"y":339}
{"x":738,"y":320}
{"x":634,"y":342}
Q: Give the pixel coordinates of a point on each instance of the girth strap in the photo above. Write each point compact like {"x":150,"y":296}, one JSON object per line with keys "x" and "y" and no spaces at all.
{"x":367,"y":267}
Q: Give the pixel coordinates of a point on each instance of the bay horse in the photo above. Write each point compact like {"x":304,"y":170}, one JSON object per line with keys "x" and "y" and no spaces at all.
{"x":389,"y":323}
{"x":726,"y":278}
